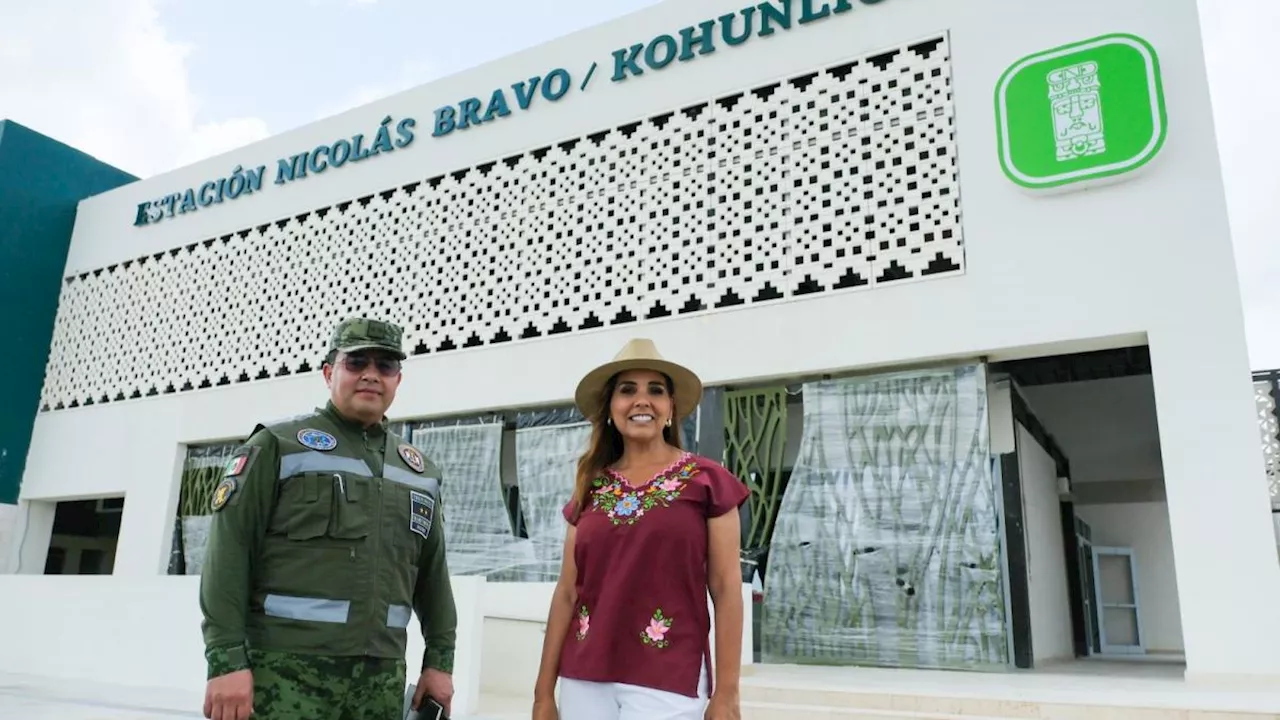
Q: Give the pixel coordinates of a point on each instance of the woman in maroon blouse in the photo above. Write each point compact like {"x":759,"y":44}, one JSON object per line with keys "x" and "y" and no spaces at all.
{"x":651,"y":532}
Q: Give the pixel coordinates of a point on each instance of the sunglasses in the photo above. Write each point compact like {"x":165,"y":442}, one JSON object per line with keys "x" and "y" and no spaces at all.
{"x":387,"y":367}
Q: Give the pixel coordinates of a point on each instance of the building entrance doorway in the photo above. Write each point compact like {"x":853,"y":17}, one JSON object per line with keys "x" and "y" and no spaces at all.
{"x":1079,"y":445}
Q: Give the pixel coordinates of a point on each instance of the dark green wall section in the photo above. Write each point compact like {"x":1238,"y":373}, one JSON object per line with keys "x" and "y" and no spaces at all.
{"x":41,"y":182}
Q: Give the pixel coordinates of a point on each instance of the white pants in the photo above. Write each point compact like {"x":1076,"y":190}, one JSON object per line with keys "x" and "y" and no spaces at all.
{"x":582,"y":700}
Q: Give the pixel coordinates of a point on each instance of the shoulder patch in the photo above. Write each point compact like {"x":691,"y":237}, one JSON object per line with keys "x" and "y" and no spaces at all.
{"x":317,"y":439}
{"x":223,"y":493}
{"x":412,"y":457}
{"x":237,"y":464}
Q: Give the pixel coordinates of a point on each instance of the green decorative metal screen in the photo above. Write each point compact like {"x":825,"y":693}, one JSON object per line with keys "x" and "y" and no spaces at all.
{"x":887,"y":546}
{"x":201,"y":472}
{"x":755,"y":436}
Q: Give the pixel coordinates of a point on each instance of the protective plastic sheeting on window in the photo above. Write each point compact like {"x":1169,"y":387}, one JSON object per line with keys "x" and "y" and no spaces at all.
{"x":546,"y":463}
{"x":477,"y":525}
{"x":887,"y":545}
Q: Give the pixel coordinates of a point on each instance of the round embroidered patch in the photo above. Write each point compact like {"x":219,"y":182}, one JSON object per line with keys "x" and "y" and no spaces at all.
{"x":223,"y":493}
{"x":412,"y":457}
{"x":317,"y":439}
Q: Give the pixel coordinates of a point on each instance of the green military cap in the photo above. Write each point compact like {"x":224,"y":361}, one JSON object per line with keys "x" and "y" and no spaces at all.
{"x":355,"y":334}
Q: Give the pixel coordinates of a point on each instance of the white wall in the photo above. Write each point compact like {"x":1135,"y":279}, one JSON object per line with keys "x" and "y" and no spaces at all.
{"x":1145,"y":528}
{"x":1136,"y":246}
{"x":1051,"y":632}
{"x":146,"y":633}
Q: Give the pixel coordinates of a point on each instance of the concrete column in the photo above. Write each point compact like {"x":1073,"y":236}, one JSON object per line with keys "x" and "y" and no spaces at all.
{"x":1224,"y":544}
{"x":8,"y":538}
{"x":31,"y":526}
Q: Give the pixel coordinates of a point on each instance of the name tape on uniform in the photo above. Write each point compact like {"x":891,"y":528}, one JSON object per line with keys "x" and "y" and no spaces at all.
{"x":422,"y":511}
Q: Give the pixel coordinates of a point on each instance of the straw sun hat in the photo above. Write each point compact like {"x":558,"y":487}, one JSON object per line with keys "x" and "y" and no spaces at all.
{"x":639,"y":354}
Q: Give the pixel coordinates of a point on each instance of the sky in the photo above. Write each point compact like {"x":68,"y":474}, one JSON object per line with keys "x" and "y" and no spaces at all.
{"x":150,"y":85}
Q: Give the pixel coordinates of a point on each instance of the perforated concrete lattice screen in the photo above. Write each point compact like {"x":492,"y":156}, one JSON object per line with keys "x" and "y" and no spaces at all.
{"x":839,"y":179}
{"x":1265,"y":391}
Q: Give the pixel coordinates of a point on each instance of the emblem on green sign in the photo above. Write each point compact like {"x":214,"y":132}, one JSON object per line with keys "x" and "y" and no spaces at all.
{"x":1080,"y":113}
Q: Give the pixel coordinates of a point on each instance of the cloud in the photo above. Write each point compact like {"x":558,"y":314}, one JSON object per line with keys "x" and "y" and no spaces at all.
{"x":211,"y":138}
{"x":105,"y":78}
{"x":1237,"y":40}
{"x":412,"y":73}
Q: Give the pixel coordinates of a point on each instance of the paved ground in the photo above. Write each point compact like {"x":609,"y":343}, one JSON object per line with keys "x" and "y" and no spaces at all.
{"x":42,"y":699}
{"x":33,"y":698}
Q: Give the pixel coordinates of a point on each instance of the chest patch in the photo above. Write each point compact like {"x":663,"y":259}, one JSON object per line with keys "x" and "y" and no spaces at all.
{"x":422,"y":511}
{"x":317,"y":439}
{"x":412,"y":457}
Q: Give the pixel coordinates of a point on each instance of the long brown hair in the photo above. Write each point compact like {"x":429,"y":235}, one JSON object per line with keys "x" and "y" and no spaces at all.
{"x":606,"y":442}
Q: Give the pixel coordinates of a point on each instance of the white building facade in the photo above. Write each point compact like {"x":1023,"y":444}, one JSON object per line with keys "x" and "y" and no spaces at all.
{"x":958,"y":275}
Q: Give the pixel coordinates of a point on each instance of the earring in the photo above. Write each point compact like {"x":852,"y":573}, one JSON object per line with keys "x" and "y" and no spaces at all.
{"x":608,"y":421}
{"x":668,"y":422}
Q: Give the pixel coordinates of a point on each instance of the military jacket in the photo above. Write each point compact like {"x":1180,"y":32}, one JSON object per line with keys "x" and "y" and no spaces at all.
{"x":325,"y":537}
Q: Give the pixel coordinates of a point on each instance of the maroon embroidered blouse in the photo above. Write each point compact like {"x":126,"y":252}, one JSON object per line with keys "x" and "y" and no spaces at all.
{"x":641,"y":554}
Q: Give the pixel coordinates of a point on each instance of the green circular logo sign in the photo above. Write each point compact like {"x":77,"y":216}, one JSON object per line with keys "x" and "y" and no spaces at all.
{"x":1080,"y":113}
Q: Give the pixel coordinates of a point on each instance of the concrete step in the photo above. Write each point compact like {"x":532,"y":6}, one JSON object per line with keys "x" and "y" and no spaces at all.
{"x":783,"y":693}
{"x":765,"y":702}
{"x":860,"y":694}
{"x":792,"y":711}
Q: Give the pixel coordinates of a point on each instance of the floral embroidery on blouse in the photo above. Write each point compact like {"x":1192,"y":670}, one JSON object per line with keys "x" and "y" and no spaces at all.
{"x":584,"y":622}
{"x":656,"y":633}
{"x":625,"y":505}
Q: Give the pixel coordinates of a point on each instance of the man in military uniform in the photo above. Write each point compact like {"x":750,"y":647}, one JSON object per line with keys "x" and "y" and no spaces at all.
{"x":327,"y":534}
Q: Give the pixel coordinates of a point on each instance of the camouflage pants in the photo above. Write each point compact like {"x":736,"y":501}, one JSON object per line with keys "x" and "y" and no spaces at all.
{"x":288,"y":686}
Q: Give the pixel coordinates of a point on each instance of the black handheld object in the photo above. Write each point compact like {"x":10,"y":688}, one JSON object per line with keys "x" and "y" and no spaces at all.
{"x":430,"y":710}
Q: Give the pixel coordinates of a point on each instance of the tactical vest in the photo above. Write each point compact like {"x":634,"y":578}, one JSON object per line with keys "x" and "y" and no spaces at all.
{"x":337,"y":570}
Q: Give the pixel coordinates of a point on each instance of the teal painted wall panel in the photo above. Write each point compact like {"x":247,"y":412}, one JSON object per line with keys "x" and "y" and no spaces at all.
{"x":41,"y":182}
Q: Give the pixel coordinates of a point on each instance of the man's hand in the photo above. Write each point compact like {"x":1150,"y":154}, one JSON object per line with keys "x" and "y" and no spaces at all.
{"x":439,"y":685}
{"x":230,"y":696}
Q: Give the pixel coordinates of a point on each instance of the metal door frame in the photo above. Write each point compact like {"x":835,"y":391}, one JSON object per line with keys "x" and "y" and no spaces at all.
{"x":1088,"y":589}
{"x":1136,"y":606}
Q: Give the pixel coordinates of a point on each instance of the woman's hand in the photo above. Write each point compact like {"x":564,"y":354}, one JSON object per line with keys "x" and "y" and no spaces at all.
{"x":723,"y":706}
{"x":545,"y":709}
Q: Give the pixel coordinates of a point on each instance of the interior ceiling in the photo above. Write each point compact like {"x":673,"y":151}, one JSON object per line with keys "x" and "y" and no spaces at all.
{"x":1079,"y":367}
